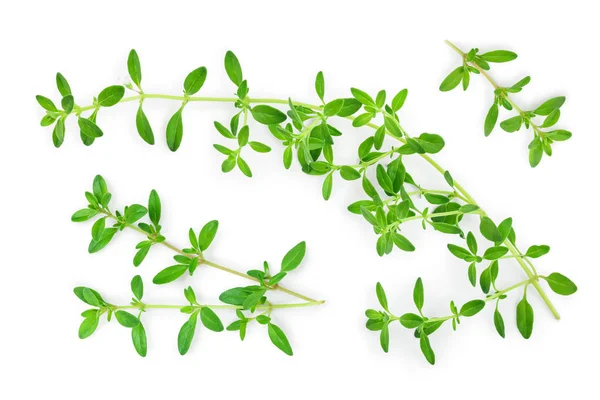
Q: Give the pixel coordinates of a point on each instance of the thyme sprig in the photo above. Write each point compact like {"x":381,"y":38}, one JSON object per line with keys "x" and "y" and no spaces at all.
{"x":475,"y":63}
{"x":307,"y":133}
{"x":252,"y":298}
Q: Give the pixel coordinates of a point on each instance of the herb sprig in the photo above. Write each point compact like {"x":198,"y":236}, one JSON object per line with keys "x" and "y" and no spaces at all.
{"x":252,"y":299}
{"x":379,"y":320}
{"x":475,"y":63}
{"x":307,"y":133}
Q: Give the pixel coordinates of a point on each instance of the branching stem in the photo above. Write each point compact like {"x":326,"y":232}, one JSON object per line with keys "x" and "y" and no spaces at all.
{"x":487,"y":76}
{"x":526,"y":266}
{"x":221,"y":267}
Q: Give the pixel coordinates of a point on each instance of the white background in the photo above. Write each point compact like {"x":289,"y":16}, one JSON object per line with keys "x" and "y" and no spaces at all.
{"x":281,"y":46}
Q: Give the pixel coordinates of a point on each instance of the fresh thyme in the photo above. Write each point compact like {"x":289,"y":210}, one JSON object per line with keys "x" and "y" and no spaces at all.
{"x":246,"y":301}
{"x":307,"y":133}
{"x":475,"y":63}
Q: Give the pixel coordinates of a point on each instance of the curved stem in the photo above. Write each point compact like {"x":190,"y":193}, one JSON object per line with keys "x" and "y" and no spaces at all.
{"x":489,"y":298}
{"x":216,"y":306}
{"x":530,"y":272}
{"x":487,"y":76}
{"x":221,"y":267}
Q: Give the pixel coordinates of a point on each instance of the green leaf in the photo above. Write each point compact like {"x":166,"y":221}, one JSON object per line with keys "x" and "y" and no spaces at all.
{"x":143,"y":126}
{"x":68,"y":103}
{"x":392,"y":126}
{"x":536,"y":251}
{"x":175,"y":130}
{"x":349,"y":173}
{"x":490,"y":119}
{"x":89,"y":128}
{"x":47,"y":120}
{"x":512,"y":124}
{"x":560,"y":284}
{"x":140,"y":255}
{"x":228,"y":164}
{"x":46,"y":103}
{"x":126,"y":319}
{"x":402,"y":243}
{"x":431,"y":142}
{"x":169,"y":274}
{"x":459,"y":252}
{"x":327,"y":186}
{"x":58,"y":133}
{"x":374,"y":324}
{"x":350,"y":107}
{"x":362,"y":120}
{"x":243,"y":136}
{"x":535,"y":153}
{"x":211,"y":320}
{"x":410,"y":320}
{"x":207,"y":234}
{"x":259,"y":147}
{"x":111,"y":95}
{"x":419,"y":294}
{"x":287,"y":157}
{"x":135,"y":69}
{"x":489,"y":230}
{"x":525,"y":318}
{"x":320,"y":85}
{"x":233,"y":68}
{"x":399,"y":99}
{"x":87,"y":327}
{"x":103,"y":241}
{"x":559,"y":135}
{"x":223,"y":131}
{"x":279,"y":339}
{"x":333,"y":107}
{"x":550,"y":105}
{"x":134,"y":212}
{"x":471,"y":308}
{"x":363,"y":97}
{"x":384,"y":338}
{"x":186,"y":334}
{"x":452,"y":80}
{"x":138,"y":336}
{"x":381,"y":297}
{"x":293,"y":258}
{"x":384,"y":180}
{"x":137,"y":287}
{"x":63,"y":86}
{"x":83,"y":215}
{"x":99,"y":187}
{"x":88,"y":296}
{"x":499,"y":56}
{"x":499,"y":323}
{"x":267,"y":115}
{"x":472,"y":274}
{"x":426,"y":348}
{"x":494,"y":253}
{"x":154,"y":207}
{"x":194,"y":81}
{"x":223,"y":149}
{"x":472,"y":243}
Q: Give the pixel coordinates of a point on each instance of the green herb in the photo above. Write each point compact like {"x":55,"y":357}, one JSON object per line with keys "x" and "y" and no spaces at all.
{"x":394,"y":198}
{"x":252,"y":299}
{"x":424,"y":327}
{"x":475,"y":63}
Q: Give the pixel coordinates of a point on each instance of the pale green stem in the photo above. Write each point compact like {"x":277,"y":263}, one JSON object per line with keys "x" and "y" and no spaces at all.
{"x":216,"y":306}
{"x":221,"y":267}
{"x":466,"y":196}
{"x":489,"y":298}
{"x":487,"y":76}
